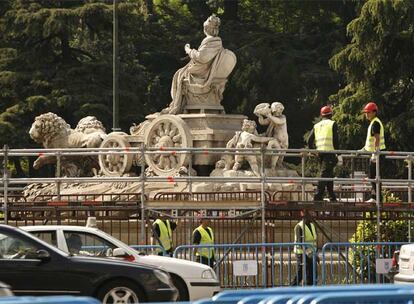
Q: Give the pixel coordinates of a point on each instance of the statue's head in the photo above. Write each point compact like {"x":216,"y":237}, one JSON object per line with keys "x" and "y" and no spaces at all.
{"x":277,"y":108}
{"x":90,"y":124}
{"x":46,"y":127}
{"x":249,"y":126}
{"x":211,"y":25}
{"x":220,"y":164}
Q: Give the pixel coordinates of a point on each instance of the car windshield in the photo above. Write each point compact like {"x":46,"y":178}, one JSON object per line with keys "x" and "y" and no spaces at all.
{"x":88,"y":244}
{"x":119,"y":242}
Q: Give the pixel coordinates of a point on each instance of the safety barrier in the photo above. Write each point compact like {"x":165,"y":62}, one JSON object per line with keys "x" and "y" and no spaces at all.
{"x":212,"y":196}
{"x":48,"y":300}
{"x":357,"y":263}
{"x":355,"y":160}
{"x":92,"y":198}
{"x":381,"y":297}
{"x":275,"y":264}
{"x":322,"y":294}
{"x":344,"y":195}
{"x":256,"y":265}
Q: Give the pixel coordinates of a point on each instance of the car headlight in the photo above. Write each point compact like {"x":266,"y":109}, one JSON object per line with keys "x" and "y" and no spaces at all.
{"x":163,"y":276}
{"x":208,"y":274}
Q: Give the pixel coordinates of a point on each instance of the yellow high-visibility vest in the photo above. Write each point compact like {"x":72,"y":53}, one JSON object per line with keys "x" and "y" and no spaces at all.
{"x":165,"y":234}
{"x":324,"y":135}
{"x":310,"y":236}
{"x":370,"y":141}
{"x":206,"y":239}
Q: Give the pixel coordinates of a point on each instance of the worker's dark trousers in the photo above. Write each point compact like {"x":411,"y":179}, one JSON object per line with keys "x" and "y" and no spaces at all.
{"x":327,"y":163}
{"x":206,"y":261}
{"x":168,"y":252}
{"x":300,"y":269}
{"x":373,"y":173}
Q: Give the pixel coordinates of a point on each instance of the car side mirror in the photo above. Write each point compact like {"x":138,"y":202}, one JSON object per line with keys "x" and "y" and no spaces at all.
{"x":43,"y":255}
{"x":119,"y":253}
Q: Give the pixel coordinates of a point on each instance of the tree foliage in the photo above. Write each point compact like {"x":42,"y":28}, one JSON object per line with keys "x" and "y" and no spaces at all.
{"x":57,"y":56}
{"x":366,"y":232}
{"x":378,"y":65}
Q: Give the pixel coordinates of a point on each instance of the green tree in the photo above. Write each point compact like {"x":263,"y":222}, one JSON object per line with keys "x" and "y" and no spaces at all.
{"x":57,"y":56}
{"x":377,"y":65}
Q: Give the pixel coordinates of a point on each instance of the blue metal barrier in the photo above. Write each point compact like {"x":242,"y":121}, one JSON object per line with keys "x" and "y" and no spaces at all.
{"x":307,"y":295}
{"x":278,"y":299}
{"x":380,"y":297}
{"x":251,"y":299}
{"x":48,"y":300}
{"x":253,"y":295}
{"x":256,"y":265}
{"x":275,"y":264}
{"x":354,"y":263}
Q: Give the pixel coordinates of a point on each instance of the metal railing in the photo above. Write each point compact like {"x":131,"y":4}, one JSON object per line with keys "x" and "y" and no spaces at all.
{"x":355,"y":263}
{"x":263,"y":180}
{"x":212,"y":196}
{"x":276,"y":264}
{"x":254,"y":265}
{"x":352,"y":294}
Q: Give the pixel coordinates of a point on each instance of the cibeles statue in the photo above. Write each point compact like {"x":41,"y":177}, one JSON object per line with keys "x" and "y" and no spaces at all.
{"x":199,"y":85}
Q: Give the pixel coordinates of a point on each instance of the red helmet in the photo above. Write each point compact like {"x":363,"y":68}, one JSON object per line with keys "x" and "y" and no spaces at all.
{"x":370,"y":107}
{"x":326,"y":110}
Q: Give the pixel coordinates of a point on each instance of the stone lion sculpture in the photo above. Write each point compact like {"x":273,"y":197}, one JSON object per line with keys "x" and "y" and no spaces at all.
{"x":52,"y":131}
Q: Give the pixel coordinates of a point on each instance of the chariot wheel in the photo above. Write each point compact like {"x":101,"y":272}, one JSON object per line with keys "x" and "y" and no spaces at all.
{"x":167,"y":131}
{"x":115,"y":164}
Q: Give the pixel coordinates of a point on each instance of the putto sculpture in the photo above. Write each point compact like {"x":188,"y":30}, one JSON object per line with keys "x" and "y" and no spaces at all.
{"x":248,"y":138}
{"x":52,"y":131}
{"x":271,"y":116}
{"x":200,"y":83}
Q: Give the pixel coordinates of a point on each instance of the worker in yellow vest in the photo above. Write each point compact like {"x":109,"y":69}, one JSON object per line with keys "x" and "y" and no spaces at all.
{"x":305,"y":232}
{"x":162,"y":229}
{"x":204,"y":235}
{"x":375,"y":141}
{"x":324,"y":137}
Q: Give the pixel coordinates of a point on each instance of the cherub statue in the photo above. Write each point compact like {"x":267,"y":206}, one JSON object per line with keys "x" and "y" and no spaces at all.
{"x":271,"y":116}
{"x":219,"y":168}
{"x":247,"y":139}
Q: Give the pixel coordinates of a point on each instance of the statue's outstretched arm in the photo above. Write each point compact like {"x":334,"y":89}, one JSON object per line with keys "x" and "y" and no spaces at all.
{"x":263,"y":121}
{"x":261,"y":139}
{"x":279,"y":120}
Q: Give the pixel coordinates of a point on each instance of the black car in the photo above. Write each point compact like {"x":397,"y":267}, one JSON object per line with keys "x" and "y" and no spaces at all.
{"x":32,"y":267}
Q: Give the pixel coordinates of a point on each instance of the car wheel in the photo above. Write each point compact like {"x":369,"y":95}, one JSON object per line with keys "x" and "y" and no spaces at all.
{"x":181,"y":287}
{"x":120,"y":291}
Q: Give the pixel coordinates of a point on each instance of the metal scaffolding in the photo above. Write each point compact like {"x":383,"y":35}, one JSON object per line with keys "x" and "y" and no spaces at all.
{"x":303,"y":199}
